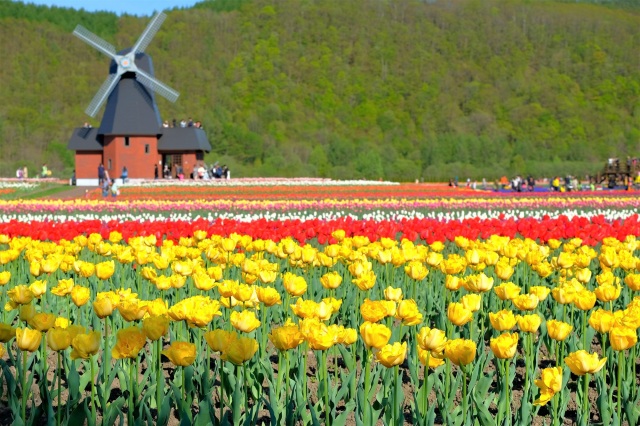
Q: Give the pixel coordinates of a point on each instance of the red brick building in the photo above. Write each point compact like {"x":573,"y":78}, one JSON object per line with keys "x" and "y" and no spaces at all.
{"x":131,"y":133}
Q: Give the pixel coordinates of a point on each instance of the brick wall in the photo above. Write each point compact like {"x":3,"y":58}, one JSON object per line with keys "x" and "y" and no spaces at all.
{"x":87,"y":163}
{"x":139,"y":156}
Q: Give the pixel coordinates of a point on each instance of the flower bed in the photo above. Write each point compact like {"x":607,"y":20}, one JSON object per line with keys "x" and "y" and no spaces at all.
{"x":467,"y":316}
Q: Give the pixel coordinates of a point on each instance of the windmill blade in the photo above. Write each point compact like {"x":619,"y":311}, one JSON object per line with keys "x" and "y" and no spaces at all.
{"x":157,"y":86}
{"x":93,"y":40}
{"x":149,"y":33}
{"x":102,"y":94}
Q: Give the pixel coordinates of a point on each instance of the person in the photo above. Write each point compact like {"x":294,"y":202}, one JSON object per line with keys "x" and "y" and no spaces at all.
{"x":165,"y":124}
{"x":73,"y":178}
{"x":555,"y":184}
{"x":19,"y":174}
{"x":125,"y":174}
{"x":530,"y":183}
{"x":166,"y":172}
{"x":25,"y":172}
{"x":155,"y":172}
{"x":100,"y":174}
{"x":183,"y":123}
{"x":105,"y":187}
{"x":45,"y":171}
{"x":115,"y":190}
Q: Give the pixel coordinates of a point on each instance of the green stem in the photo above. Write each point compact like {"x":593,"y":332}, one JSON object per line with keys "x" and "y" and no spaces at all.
{"x":507,"y":406}
{"x":425,"y":388}
{"x":464,"y":394}
{"x":184,"y":385}
{"x":394,"y":413}
{"x":619,"y":407}
{"x":325,"y":373}
{"x":245,"y":387}
{"x":93,"y":391}
{"x":584,"y":331}
{"x":585,"y":400}
{"x":286,"y":384}
{"x":130,"y":403}
{"x":221,"y":390}
{"x":59,"y":373}
{"x":25,"y":394}
{"x":159,"y":375}
{"x":367,"y":387}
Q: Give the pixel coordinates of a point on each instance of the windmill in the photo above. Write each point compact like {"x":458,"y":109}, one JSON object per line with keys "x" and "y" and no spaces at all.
{"x":131,"y":133}
{"x":125,"y":62}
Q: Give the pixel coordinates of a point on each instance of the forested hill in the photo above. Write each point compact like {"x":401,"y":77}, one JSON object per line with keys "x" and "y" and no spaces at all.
{"x":393,"y":89}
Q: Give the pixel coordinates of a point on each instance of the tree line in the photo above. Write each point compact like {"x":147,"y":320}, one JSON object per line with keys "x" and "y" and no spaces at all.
{"x":399,"y":90}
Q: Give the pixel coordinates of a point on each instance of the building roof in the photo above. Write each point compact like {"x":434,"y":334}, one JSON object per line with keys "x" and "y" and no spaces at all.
{"x":131,"y":107}
{"x":85,"y":139}
{"x":183,"y":139}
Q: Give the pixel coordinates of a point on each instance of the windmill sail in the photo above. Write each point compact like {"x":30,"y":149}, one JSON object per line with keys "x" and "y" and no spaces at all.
{"x":126,"y":61}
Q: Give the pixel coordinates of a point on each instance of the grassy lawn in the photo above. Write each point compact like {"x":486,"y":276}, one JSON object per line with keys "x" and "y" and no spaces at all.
{"x":44,"y":189}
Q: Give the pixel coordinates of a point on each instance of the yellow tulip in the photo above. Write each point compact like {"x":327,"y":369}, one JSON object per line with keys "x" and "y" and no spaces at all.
{"x":458,"y":314}
{"x":585,"y":300}
{"x":558,"y":330}
{"x":581,"y":362}
{"x":240,"y":350}
{"x":425,"y":356}
{"x":392,"y":355}
{"x":504,"y":270}
{"x":219,"y":340}
{"x":608,"y":292}
{"x":42,"y":321}
{"x":63,"y":288}
{"x":601,"y":320}
{"x":540,"y":291}
{"x":80,"y":295}
{"x":366,"y":281}
{"x":432,"y":339}
{"x":85,"y":345}
{"x":104,"y":270}
{"x":294,"y":284}
{"x":375,"y":310}
{"x":631,"y":280}
{"x":505,"y":345}
{"x":375,"y":335}
{"x":478,"y":283}
{"x":28,"y":339}
{"x":286,"y":337}
{"x":269,"y":296}
{"x":181,"y":354}
{"x":502,"y":320}
{"x":529,"y":323}
{"x":394,"y":294}
{"x":525,"y":302}
{"x":27,"y":312}
{"x":20,"y":295}
{"x":549,"y":383}
{"x":507,"y":291}
{"x":622,"y":337}
{"x":408,"y":312}
{"x":416,"y":270}
{"x":453,"y":283}
{"x":6,"y":332}
{"x":472,"y":301}
{"x":132,"y":309}
{"x":320,"y":337}
{"x":155,"y":327}
{"x":103,"y":306}
{"x":460,"y":351}
{"x":129,"y":342}
{"x":5,"y":277}
{"x":38,"y":288}
{"x":245,"y":321}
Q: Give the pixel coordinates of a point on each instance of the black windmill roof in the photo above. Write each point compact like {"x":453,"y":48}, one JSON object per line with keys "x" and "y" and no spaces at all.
{"x":131,"y":107}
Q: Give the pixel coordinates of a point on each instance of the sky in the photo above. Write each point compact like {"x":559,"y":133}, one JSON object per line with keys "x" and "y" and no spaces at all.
{"x":131,"y":7}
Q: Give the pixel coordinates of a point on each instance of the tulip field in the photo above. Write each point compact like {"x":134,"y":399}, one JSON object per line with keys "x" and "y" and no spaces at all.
{"x":320,"y":303}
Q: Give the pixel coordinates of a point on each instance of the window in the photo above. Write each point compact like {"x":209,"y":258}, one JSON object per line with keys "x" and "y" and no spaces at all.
{"x":109,"y":164}
{"x":199,"y":156}
{"x":146,"y":148}
{"x":126,"y":141}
